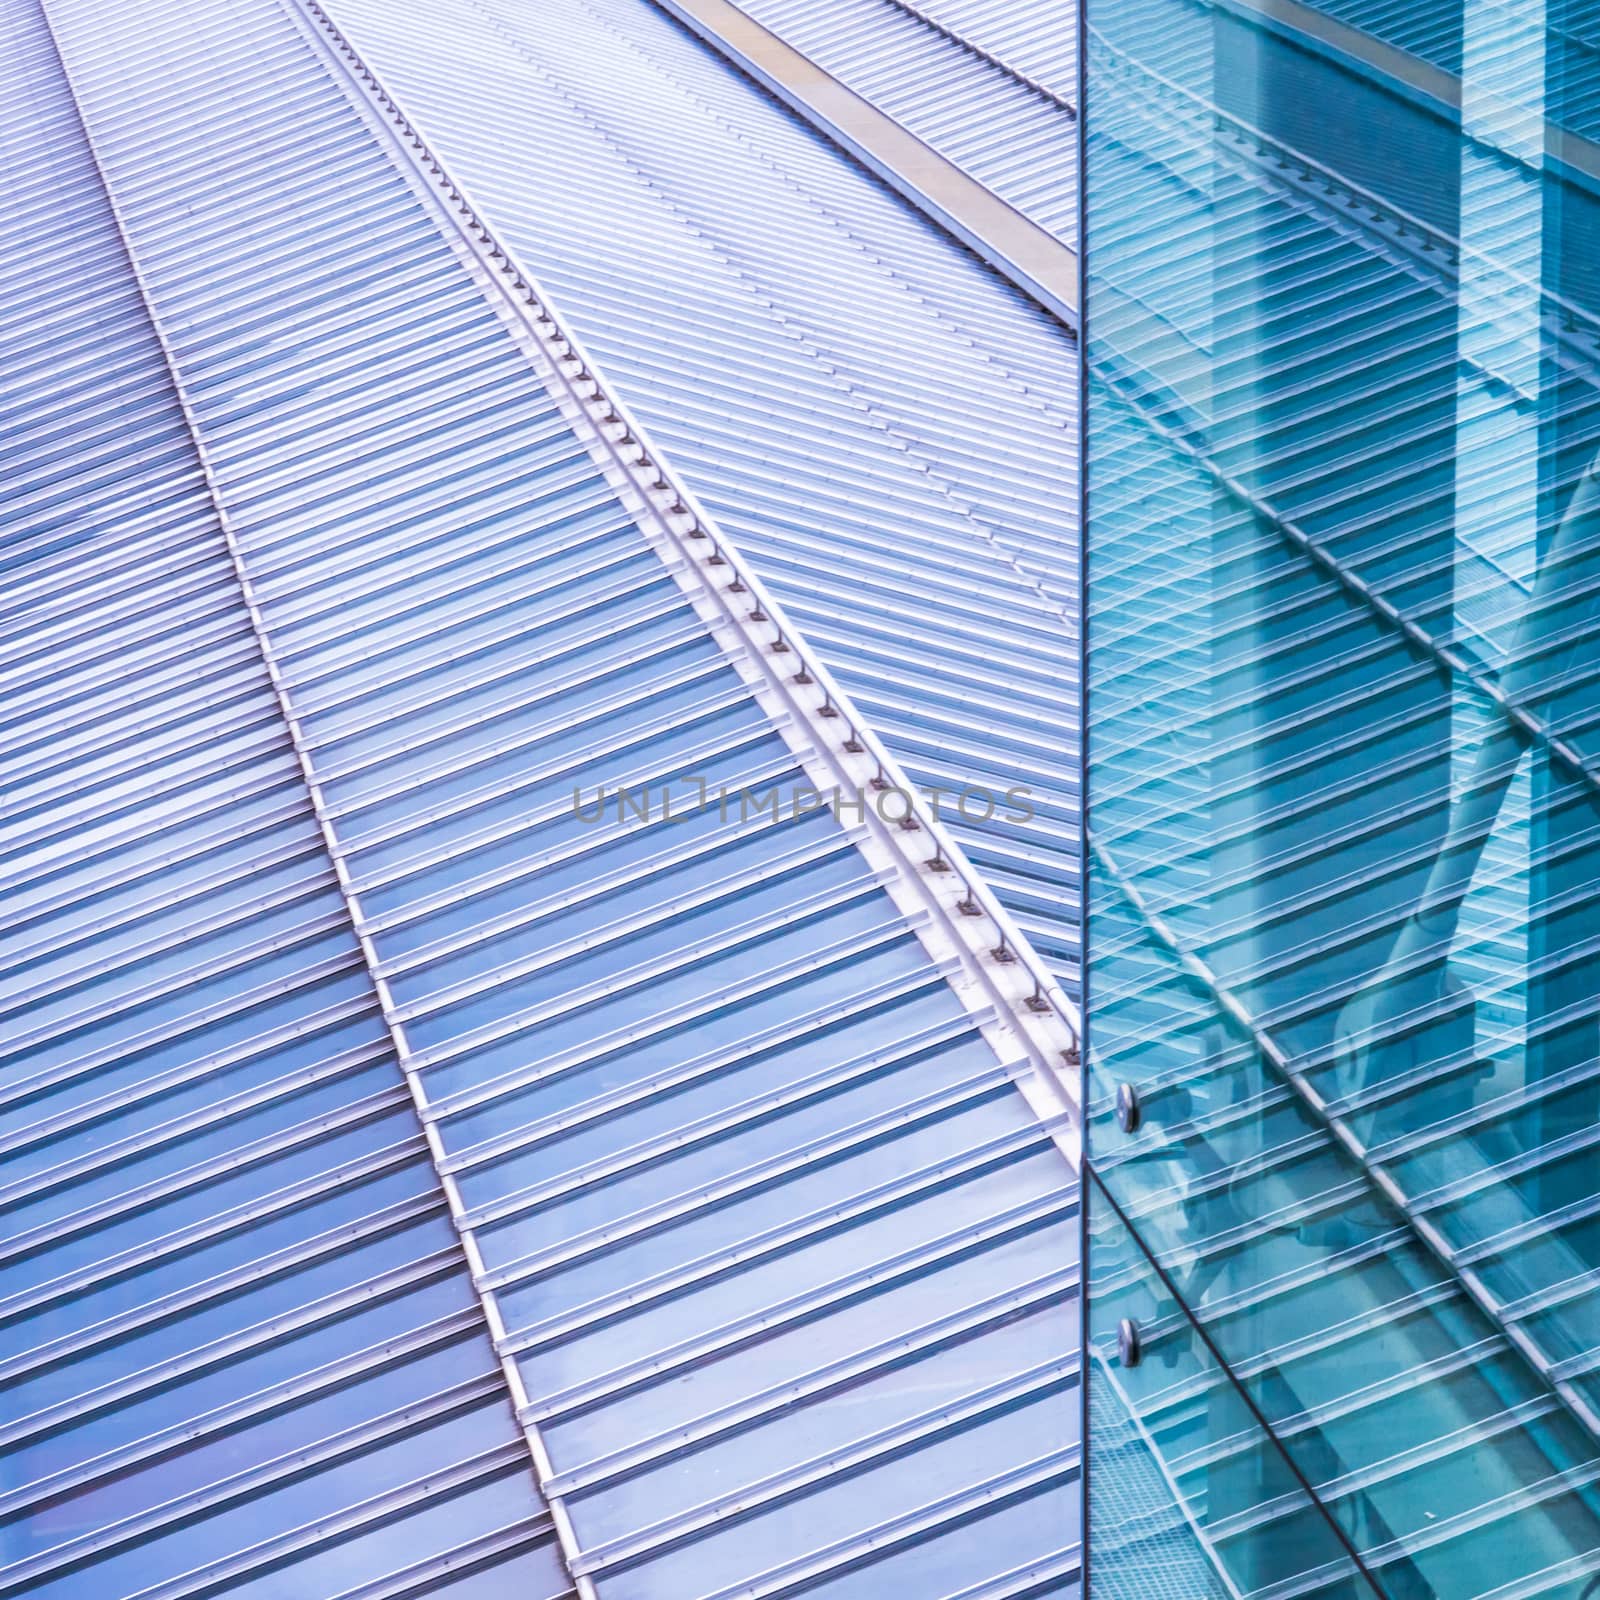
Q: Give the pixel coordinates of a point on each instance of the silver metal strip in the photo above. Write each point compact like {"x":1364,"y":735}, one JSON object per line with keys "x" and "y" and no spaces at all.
{"x":334,"y":1241}
{"x":712,"y":1126}
{"x":872,"y":1450}
{"x":488,"y":1550}
{"x":606,"y":879}
{"x":1049,"y":1290}
{"x":351,"y":1369}
{"x":809,"y":852}
{"x":426,"y":1269}
{"x":1060,"y":1466}
{"x":675,"y":1207}
{"x":599,"y":838}
{"x":1041,"y":266}
{"x":858,"y":893}
{"x":260,"y":1479}
{"x":777,"y":1239}
{"x":178,"y":1129}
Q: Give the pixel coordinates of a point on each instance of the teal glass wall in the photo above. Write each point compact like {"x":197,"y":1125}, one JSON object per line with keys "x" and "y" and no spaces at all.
{"x":1343,"y":644}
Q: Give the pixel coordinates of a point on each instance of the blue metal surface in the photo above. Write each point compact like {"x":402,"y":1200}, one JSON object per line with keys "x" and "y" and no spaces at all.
{"x":241,"y":1353}
{"x":779,"y":1264}
{"x":882,"y":426}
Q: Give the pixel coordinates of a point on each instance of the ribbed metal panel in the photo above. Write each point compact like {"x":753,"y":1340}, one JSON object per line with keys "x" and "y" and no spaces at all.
{"x":1010,"y":132}
{"x":1036,"y":39}
{"x":881,"y":426}
{"x":781,"y":1262}
{"x":241,"y":1351}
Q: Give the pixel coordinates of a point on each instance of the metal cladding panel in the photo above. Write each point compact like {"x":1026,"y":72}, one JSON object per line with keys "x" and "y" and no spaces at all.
{"x":781,"y":1263}
{"x":883,"y":427}
{"x":927,"y":69}
{"x":1036,"y":39}
{"x":241,"y":1351}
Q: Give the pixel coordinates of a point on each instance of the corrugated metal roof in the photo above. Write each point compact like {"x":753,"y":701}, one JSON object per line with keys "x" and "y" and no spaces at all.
{"x":1011,"y":131}
{"x":780,"y":1264}
{"x":241,"y":1347}
{"x":882,"y":426}
{"x":1036,"y":39}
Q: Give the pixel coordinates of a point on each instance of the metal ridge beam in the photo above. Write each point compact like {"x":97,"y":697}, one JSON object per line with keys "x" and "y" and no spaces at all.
{"x":1034,"y":261}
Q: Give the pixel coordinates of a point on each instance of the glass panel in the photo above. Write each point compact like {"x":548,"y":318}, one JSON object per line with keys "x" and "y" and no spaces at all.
{"x":1188,"y":1496}
{"x":1344,"y":784}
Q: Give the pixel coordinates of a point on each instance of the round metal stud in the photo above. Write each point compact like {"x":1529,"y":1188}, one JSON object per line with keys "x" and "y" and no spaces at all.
{"x":1130,"y":1111}
{"x":1130,"y":1346}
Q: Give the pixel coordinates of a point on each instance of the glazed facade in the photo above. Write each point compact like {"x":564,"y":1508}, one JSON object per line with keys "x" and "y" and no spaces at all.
{"x":1343,"y":578}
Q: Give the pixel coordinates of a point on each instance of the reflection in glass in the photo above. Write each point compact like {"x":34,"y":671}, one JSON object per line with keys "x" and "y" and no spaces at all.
{"x":1189,"y":1495}
{"x":1343,"y":565}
